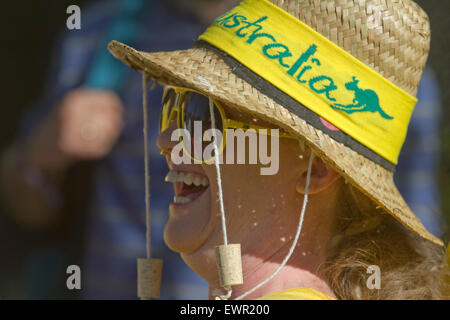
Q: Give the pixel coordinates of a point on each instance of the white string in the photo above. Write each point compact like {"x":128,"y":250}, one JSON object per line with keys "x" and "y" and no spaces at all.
{"x":297,"y":235}
{"x":146,"y":156}
{"x":219,"y":179}
{"x":218,"y":293}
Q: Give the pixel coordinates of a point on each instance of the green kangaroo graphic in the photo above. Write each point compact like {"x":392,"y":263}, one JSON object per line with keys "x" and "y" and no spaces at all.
{"x":365,"y":100}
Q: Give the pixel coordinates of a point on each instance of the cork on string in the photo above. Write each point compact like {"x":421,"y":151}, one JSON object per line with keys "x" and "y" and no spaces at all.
{"x":149,"y":270}
{"x":228,"y":256}
{"x":229,"y":265}
{"x":149,"y":278}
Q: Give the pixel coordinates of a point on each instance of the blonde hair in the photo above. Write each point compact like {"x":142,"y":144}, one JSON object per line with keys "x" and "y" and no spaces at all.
{"x":411,"y":267}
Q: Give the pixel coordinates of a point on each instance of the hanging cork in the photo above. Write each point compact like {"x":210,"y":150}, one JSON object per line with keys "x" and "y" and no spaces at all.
{"x":149,"y":278}
{"x":229,"y":264}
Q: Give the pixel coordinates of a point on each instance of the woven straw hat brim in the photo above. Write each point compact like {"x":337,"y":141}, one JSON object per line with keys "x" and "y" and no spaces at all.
{"x":205,"y":71}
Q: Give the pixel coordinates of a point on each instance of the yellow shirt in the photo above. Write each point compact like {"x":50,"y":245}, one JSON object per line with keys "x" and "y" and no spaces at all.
{"x":297,"y":294}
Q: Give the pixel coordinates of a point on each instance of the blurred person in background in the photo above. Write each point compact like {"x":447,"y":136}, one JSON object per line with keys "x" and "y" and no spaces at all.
{"x":86,"y":128}
{"x":417,"y":172}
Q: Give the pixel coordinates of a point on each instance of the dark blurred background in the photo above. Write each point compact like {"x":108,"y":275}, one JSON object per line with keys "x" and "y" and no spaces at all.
{"x":29,"y":30}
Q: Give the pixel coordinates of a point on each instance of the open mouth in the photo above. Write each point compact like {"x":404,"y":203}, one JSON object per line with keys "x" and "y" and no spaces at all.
{"x":188,"y":186}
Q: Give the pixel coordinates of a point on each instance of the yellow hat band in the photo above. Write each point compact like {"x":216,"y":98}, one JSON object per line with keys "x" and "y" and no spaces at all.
{"x":316,"y":73}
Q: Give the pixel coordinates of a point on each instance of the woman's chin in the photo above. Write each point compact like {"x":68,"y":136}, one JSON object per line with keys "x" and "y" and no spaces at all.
{"x":190,"y":224}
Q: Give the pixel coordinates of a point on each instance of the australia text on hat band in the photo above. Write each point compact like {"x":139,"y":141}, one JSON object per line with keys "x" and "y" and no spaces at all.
{"x":364,"y":100}
{"x":317,"y":73}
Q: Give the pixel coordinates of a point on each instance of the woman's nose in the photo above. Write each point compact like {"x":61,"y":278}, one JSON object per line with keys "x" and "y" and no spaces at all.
{"x":164,"y":142}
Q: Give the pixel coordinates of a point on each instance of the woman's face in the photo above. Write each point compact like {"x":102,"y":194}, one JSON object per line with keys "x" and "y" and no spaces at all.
{"x":253,"y":203}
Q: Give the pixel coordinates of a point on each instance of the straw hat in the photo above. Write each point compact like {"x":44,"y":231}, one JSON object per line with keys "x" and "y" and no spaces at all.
{"x":391,"y":37}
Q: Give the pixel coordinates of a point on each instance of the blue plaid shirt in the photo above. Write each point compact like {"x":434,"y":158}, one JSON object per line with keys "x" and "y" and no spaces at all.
{"x":416,"y":174}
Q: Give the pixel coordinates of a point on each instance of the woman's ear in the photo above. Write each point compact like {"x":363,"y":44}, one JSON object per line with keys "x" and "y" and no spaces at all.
{"x":322,"y":177}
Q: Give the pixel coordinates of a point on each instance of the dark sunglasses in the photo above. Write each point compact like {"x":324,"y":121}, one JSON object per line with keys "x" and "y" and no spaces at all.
{"x":187,"y":106}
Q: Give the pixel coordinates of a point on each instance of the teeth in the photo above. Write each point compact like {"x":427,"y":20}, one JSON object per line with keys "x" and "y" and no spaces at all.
{"x":171,"y":176}
{"x":198,"y":181}
{"x":181,"y":200}
{"x":187,"y":178}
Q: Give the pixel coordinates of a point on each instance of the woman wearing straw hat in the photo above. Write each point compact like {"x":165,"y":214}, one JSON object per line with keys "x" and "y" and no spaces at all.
{"x":338,"y":79}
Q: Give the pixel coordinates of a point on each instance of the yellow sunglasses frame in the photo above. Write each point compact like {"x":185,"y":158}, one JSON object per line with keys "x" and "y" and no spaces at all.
{"x":227,"y":123}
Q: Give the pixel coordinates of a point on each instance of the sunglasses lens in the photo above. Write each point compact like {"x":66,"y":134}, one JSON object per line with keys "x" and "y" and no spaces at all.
{"x":167,"y":105}
{"x":196,"y":109}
